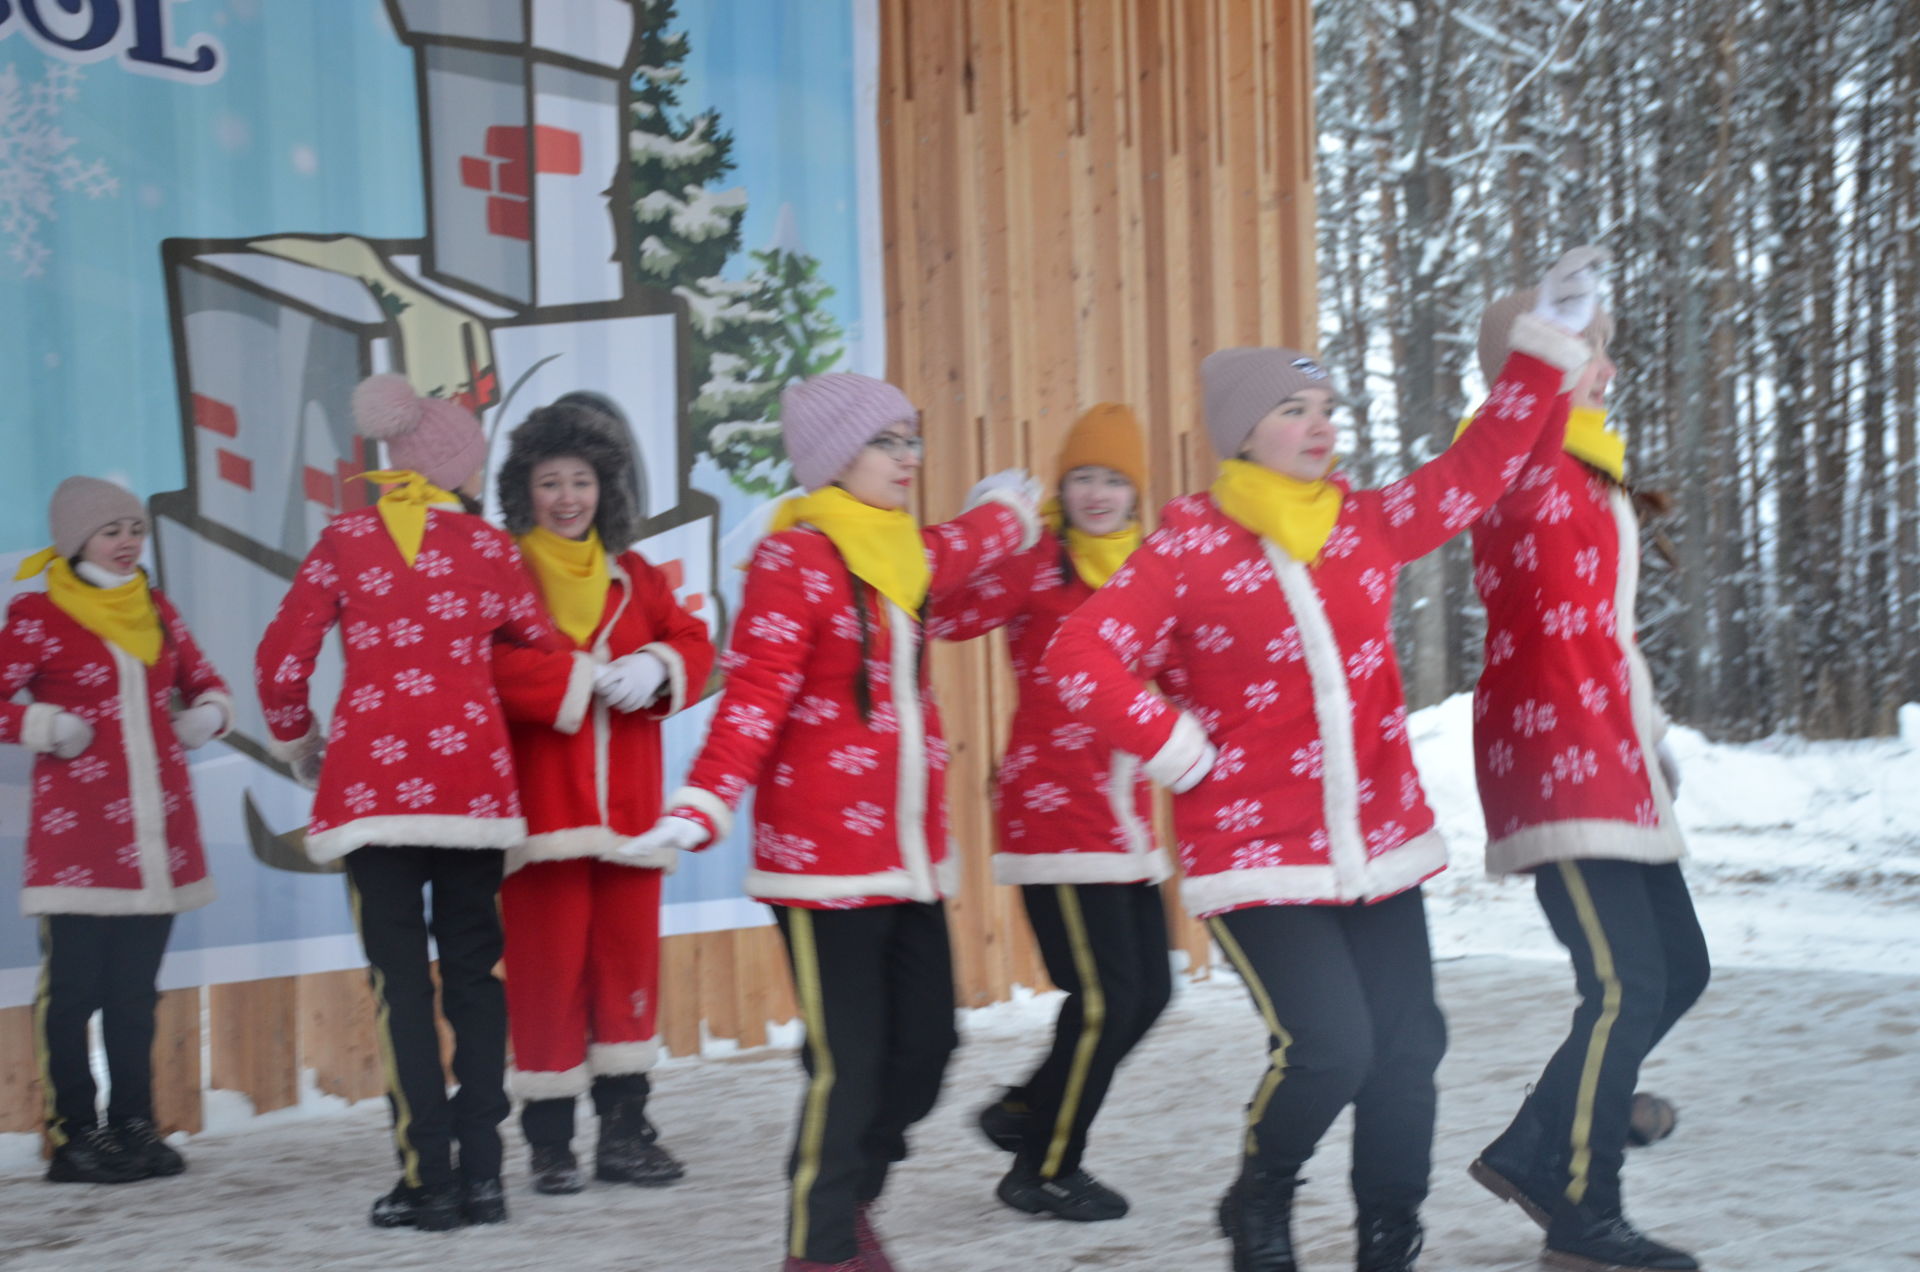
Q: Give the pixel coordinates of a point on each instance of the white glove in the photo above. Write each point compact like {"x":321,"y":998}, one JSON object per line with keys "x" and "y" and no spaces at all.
{"x":309,"y":756}
{"x":680,"y":834}
{"x":630,"y":683}
{"x":196,"y":726}
{"x":1669,"y":767}
{"x":1197,"y":771}
{"x":71,"y":735}
{"x":1570,"y":293}
{"x":1017,"y":482}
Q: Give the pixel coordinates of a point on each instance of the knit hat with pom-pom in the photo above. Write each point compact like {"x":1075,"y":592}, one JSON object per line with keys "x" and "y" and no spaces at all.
{"x":439,"y":439}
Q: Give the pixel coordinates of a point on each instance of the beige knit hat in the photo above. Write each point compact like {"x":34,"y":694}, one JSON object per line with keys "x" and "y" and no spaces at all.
{"x":1496,"y":330}
{"x":1242,"y":385}
{"x":83,"y":505}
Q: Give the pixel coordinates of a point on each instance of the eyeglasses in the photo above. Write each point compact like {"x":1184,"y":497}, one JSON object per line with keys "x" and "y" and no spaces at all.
{"x":897,"y":447}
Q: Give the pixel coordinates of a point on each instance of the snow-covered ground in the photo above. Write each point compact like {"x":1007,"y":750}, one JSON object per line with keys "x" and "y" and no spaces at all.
{"x":1798,"y":1076}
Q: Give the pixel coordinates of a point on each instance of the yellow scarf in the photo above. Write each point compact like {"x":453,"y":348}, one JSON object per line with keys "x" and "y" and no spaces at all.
{"x":883,"y":548}
{"x":123,"y":615}
{"x":573,"y":578}
{"x":1588,"y":440}
{"x":1096,"y":557}
{"x":1297,"y":515}
{"x":404,"y":508}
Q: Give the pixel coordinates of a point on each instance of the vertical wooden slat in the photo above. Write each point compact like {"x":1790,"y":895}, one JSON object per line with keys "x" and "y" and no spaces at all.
{"x":680,"y":994}
{"x":177,"y":1087}
{"x":22,"y":1105}
{"x":719,"y":995}
{"x":254,"y":1041}
{"x":336,"y":1034}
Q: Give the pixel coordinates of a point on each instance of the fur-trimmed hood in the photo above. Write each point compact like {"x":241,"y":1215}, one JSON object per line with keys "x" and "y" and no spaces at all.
{"x":592,"y":429}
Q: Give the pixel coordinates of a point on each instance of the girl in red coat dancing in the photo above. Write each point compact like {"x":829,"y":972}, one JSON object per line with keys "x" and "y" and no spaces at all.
{"x":1073,"y":816}
{"x":1577,"y":787}
{"x":827,"y":711}
{"x":118,"y":694}
{"x":1303,"y":830}
{"x":415,"y":783}
{"x":582,"y":918}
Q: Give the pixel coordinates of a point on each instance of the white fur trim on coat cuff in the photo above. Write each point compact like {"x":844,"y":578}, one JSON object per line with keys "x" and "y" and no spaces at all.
{"x":676,"y":685}
{"x":1534,"y":335}
{"x":777,"y":885}
{"x":578,"y":697}
{"x":1029,"y":519}
{"x":36,"y":727}
{"x":222,"y":700}
{"x":1021,"y":868}
{"x":707,"y":802}
{"x":1186,"y":744}
{"x":609,"y":1059}
{"x":288,"y":752}
{"x":425,"y":830}
{"x":542,"y":1084}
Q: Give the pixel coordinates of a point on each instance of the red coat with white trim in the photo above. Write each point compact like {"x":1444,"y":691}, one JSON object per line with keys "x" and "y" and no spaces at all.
{"x":1290,"y":669}
{"x":1068,"y":807}
{"x":113,"y":830}
{"x":850,"y":811}
{"x":1565,"y":720}
{"x":589,"y":776}
{"x":417,"y":751}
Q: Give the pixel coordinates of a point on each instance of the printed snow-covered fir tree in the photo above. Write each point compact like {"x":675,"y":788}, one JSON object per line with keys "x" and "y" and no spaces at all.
{"x":751,"y":336}
{"x":36,"y":163}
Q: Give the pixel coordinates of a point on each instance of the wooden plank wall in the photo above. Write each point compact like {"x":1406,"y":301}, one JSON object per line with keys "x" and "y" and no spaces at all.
{"x":1082,"y":198}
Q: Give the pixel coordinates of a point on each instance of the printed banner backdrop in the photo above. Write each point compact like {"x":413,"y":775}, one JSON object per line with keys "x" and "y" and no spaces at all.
{"x":216,"y":216}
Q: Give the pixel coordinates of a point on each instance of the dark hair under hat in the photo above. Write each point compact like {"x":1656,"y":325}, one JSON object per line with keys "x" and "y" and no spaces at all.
{"x":587,"y":427}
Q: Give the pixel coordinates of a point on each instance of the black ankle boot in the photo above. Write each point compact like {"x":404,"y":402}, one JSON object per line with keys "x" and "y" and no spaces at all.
{"x":1520,"y":1167}
{"x":142,"y":1141}
{"x":1389,"y":1240}
{"x":1584,"y":1239}
{"x":1257,"y":1216}
{"x":629,"y":1151}
{"x":94,"y":1155}
{"x":554,"y":1168}
{"x":483,"y":1201}
{"x":1075,"y":1195}
{"x":430,"y":1209}
{"x":1006,"y":1120}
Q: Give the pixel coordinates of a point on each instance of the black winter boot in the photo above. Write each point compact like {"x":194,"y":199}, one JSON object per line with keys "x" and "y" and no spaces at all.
{"x":1520,"y":1167}
{"x":142,"y":1141}
{"x":434,"y":1209}
{"x":1586,"y":1240}
{"x":1389,"y":1241}
{"x":483,"y":1201}
{"x":94,"y":1156}
{"x":629,"y":1150}
{"x":555,"y":1169}
{"x":1005,"y":1121}
{"x":1257,"y":1216}
{"x":1076,"y":1195}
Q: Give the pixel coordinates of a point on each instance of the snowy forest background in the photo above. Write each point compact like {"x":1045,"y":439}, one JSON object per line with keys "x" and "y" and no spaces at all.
{"x":1752,"y":166}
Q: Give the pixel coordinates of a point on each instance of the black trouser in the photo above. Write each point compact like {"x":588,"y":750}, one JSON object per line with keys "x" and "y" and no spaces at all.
{"x":1346,"y":992}
{"x":550,"y":1122}
{"x":1639,"y":961}
{"x":875,"y":987}
{"x":1106,"y":945}
{"x":386,"y":886}
{"x":105,"y":963}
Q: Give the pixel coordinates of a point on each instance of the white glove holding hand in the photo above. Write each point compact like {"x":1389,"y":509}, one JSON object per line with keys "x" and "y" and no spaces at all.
{"x":1669,"y":767}
{"x":1569,"y":296}
{"x":680,"y":834}
{"x":71,"y":735}
{"x":197,"y":726}
{"x":1197,"y":771}
{"x":1015,"y":486}
{"x":630,"y":683}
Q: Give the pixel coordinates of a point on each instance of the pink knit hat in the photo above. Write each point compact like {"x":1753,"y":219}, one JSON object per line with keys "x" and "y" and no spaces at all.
{"x":1242,"y":385}
{"x":439,"y":439}
{"x":82,"y":505}
{"x":827,"y":419}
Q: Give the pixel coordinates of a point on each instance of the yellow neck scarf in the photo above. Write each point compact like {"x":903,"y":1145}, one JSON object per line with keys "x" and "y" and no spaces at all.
{"x":573,"y":578}
{"x":404,"y":508}
{"x":883,"y":548}
{"x":1588,"y":440}
{"x":123,"y":615}
{"x":1096,"y":557}
{"x":1297,"y":515}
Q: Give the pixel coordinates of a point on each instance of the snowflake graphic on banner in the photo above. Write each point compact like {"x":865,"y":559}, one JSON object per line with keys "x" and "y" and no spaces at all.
{"x":36,"y":163}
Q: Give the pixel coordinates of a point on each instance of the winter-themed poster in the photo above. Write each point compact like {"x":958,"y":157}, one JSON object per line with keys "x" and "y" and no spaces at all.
{"x":216,"y":216}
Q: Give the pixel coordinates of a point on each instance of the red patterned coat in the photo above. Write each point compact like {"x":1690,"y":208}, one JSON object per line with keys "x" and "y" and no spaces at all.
{"x":1290,"y":669}
{"x":113,"y":830}
{"x":590,"y":777}
{"x":417,"y":750}
{"x":849,"y":811}
{"x":1565,"y":720}
{"x":1068,"y":806}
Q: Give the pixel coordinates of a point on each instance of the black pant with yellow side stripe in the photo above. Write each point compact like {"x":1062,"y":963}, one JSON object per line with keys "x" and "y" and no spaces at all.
{"x":875,"y":987}
{"x":388,"y":887}
{"x":1105,"y":944}
{"x":105,"y":963}
{"x":1639,"y":962}
{"x":1346,"y":992}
